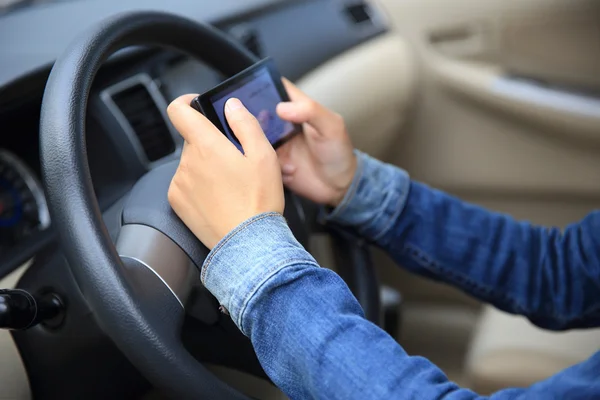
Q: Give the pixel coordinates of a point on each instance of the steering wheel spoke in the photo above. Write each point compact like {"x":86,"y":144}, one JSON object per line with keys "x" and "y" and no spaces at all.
{"x":154,"y":297}
{"x":146,"y":251}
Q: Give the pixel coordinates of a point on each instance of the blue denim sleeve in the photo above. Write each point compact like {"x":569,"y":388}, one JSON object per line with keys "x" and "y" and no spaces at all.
{"x":310,"y":336}
{"x":550,"y":277}
{"x":305,"y":325}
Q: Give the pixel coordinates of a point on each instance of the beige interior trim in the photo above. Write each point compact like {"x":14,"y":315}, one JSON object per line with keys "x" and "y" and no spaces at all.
{"x":483,"y":143}
{"x":513,"y":368}
{"x":509,"y":349}
{"x":14,"y":383}
{"x":556,"y":111}
{"x":553,"y":40}
{"x":372,"y":86}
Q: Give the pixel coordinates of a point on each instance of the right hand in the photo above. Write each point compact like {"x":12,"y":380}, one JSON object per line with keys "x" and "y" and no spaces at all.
{"x":216,"y":187}
{"x":319,"y":164}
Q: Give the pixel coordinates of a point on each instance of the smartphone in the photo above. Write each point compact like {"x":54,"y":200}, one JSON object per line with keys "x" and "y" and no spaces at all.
{"x":260,"y":89}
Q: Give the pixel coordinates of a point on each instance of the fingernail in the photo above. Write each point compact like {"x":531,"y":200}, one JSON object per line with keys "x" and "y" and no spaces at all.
{"x":288,"y":168}
{"x":233,"y":104}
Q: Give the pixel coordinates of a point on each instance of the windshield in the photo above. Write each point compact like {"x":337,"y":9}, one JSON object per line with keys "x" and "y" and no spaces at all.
{"x":9,"y":5}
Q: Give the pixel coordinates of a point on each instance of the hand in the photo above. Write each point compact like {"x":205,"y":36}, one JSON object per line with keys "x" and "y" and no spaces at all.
{"x":320,"y":164}
{"x":216,"y":187}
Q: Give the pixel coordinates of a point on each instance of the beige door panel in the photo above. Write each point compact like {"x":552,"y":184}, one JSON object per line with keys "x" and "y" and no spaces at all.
{"x":463,"y":145}
{"x":501,"y":119}
{"x":457,"y":28}
{"x":552,"y":109}
{"x":554,"y":40}
{"x":497,"y":357}
{"x":521,"y":148}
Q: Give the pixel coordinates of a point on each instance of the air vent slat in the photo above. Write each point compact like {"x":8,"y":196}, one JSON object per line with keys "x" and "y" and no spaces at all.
{"x":359,"y":13}
{"x":146,"y":120}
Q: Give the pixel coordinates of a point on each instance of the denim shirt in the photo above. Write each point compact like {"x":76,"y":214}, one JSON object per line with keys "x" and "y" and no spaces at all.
{"x":309,"y":332}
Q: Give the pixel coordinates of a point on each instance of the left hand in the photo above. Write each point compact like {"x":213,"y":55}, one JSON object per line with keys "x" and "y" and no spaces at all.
{"x":216,"y":187}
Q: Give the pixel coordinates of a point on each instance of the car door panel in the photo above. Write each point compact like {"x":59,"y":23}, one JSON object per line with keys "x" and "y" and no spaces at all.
{"x":553,"y":109}
{"x":553,"y":40}
{"x":496,"y":121}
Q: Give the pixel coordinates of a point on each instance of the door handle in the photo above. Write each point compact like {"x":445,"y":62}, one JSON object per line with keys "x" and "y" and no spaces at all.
{"x":452,"y":34}
{"x":465,"y":40}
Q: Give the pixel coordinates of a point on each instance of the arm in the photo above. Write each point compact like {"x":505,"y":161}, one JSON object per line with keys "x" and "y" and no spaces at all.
{"x":307,"y":329}
{"x":551,"y":278}
{"x":310,"y":336}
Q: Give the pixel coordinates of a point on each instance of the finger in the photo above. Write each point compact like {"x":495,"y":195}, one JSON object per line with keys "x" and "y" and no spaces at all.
{"x":288,"y":169}
{"x":186,"y":98}
{"x":245,"y":126}
{"x":309,"y":111}
{"x":293,"y":91}
{"x":289,"y":110}
{"x":192,"y":125}
{"x":287,"y":179}
{"x":296,"y":96}
{"x":174,"y":112}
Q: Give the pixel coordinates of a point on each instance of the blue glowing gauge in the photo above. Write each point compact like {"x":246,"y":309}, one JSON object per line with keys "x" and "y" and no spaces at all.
{"x":23,"y":209}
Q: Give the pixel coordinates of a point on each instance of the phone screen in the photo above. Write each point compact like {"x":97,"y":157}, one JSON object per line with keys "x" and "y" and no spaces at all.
{"x":260,"y":89}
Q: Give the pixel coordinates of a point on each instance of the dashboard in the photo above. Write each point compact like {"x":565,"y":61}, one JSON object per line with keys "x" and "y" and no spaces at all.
{"x":128,"y":134}
{"x":127,"y":130}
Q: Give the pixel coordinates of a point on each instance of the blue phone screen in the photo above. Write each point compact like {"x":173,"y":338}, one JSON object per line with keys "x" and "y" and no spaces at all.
{"x":260,"y":96}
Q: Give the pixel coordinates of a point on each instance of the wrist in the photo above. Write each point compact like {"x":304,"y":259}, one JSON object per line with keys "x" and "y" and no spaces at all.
{"x":237,"y":267}
{"x":374,"y":201}
{"x":346,"y":179}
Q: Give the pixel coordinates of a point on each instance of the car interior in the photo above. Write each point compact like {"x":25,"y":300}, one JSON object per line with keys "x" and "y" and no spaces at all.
{"x":495,"y":102}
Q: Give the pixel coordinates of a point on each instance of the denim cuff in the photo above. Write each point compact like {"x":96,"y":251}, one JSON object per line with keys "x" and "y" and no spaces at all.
{"x":247,"y":257}
{"x":374,"y":200}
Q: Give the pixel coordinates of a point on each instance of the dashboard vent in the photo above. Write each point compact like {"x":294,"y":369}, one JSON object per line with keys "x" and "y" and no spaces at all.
{"x":359,"y":13}
{"x":251,"y":43}
{"x":146,"y":120}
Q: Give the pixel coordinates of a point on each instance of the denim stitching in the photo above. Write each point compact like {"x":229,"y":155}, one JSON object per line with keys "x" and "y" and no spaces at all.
{"x":431,"y":265}
{"x":233,"y":233}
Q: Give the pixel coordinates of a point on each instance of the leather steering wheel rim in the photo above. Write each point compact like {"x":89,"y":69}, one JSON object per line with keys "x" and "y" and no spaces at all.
{"x":146,"y":339}
{"x":73,"y":205}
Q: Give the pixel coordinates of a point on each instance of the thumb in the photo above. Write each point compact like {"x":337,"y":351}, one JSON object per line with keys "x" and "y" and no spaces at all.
{"x":245,"y":126}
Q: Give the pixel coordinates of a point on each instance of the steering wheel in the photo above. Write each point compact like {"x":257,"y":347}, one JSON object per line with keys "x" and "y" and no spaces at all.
{"x":138,"y":286}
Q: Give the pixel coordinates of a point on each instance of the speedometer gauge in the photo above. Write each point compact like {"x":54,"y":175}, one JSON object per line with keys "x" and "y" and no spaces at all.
{"x":23,"y":209}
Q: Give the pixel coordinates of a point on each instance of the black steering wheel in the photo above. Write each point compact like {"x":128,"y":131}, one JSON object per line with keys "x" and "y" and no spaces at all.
{"x":138,"y":287}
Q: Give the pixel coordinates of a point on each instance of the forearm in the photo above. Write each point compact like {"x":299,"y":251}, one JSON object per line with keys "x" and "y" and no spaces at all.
{"x":312,"y":340}
{"x":518,"y":267}
{"x":524,"y":269}
{"x":307,"y":329}
{"x":309,"y":333}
